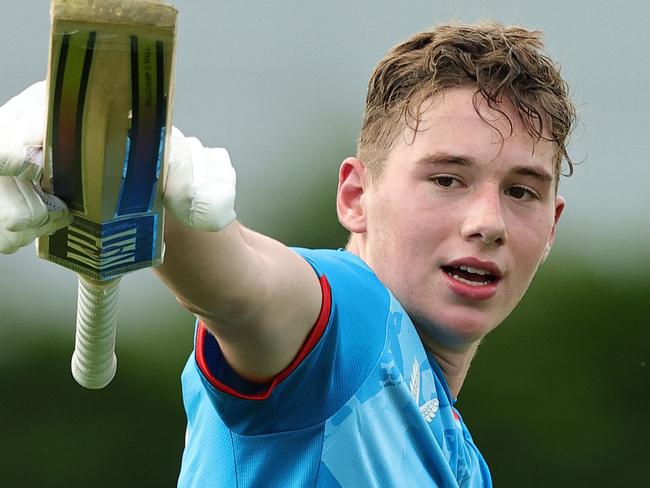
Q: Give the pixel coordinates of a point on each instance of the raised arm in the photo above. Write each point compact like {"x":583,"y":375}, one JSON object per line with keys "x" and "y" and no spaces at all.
{"x":258,"y":297}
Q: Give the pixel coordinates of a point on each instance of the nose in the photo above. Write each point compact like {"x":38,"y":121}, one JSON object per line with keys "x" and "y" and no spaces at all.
{"x":484,"y":219}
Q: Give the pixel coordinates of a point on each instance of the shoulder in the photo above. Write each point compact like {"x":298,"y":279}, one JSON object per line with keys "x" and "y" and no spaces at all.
{"x":342,"y":349}
{"x":332,"y":257}
{"x":341,"y":267}
{"x":357,"y":295}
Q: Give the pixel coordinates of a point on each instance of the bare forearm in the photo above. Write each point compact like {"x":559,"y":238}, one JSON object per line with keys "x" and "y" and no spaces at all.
{"x":211,"y":273}
{"x":237,"y":276}
{"x":258,"y":297}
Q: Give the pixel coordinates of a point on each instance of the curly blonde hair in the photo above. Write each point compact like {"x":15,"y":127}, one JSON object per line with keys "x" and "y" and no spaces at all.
{"x":501,"y":62}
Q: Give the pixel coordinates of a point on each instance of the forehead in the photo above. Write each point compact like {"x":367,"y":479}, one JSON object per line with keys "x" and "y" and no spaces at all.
{"x":457,"y":122}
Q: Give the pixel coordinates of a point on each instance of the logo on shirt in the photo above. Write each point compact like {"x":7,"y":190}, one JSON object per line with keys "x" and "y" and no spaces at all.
{"x":430,"y":408}
{"x":391,"y":375}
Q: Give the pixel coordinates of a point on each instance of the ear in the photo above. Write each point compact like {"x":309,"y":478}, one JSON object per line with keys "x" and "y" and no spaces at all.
{"x":349,"y":197}
{"x":559,"y":207}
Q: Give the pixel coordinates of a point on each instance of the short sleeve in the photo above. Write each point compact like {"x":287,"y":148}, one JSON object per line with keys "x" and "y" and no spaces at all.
{"x":342,"y":349}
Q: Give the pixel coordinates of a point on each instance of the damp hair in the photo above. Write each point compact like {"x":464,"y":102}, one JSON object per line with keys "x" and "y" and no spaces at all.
{"x":501,"y":63}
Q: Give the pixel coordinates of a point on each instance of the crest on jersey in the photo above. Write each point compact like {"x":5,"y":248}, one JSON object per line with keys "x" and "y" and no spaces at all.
{"x":428,"y":409}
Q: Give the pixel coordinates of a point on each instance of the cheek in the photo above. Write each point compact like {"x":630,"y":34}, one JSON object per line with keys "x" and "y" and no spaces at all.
{"x":409,"y":226}
{"x":401,"y":246}
{"x":392,"y":220}
{"x":528,"y":240}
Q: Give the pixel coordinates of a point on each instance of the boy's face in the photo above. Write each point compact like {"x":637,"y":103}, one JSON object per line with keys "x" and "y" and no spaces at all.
{"x":453,"y":195}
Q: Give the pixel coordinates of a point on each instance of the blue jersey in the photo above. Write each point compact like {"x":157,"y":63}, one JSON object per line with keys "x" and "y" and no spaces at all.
{"x":362,"y":404}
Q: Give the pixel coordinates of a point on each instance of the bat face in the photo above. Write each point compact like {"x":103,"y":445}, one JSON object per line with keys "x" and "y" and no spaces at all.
{"x":105,"y":146}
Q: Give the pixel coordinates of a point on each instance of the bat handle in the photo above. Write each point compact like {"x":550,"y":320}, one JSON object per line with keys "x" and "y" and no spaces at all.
{"x":94,"y":362}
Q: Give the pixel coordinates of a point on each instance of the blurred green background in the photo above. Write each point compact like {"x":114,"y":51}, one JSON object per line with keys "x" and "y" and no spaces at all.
{"x":557,"y":396}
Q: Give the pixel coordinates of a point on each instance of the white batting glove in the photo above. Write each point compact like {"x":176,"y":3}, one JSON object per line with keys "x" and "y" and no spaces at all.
{"x":200,"y":187}
{"x":26,"y":212}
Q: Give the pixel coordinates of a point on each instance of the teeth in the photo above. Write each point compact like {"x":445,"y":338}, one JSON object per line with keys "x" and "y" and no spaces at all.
{"x":468,"y":282}
{"x":477,"y":271}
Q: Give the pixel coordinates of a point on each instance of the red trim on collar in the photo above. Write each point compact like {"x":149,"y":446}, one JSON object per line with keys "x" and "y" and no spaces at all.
{"x":311,"y":341}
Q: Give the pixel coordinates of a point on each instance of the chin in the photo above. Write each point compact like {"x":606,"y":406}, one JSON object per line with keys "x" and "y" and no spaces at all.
{"x":456,"y":330}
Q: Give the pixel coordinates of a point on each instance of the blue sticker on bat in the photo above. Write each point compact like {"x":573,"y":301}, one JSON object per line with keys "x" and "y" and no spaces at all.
{"x":146,"y":140}
{"x":104,"y":251}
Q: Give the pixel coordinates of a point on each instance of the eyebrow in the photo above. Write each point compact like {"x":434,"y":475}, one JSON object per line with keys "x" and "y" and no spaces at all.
{"x":445,"y":158}
{"x":540,"y":174}
{"x":454,"y":159}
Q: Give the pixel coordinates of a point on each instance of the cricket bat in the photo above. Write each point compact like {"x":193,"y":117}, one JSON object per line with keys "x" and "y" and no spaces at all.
{"x":110,"y":80}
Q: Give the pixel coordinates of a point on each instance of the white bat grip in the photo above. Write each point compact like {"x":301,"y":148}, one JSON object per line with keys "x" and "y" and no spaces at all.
{"x":94,"y":362}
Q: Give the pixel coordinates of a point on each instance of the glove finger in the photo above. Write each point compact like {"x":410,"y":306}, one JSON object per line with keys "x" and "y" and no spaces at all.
{"x":177,"y":193}
{"x":213,"y":207}
{"x":199,"y":159}
{"x":22,"y":207}
{"x":22,"y":127}
{"x":179,"y":187}
{"x":176,"y":133}
{"x":58,"y":215}
{"x":10,"y":242}
{"x":5,"y":246}
{"x":53,"y":203}
{"x":15,"y":240}
{"x":32,"y":96}
{"x":178,"y":148}
{"x":22,"y":161}
{"x":220,"y":166}
{"x":57,"y":221}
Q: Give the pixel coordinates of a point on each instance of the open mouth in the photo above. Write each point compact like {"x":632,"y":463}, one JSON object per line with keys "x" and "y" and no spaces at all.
{"x":469,"y":275}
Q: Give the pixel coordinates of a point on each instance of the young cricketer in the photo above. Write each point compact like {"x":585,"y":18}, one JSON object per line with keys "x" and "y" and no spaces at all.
{"x":342,"y":367}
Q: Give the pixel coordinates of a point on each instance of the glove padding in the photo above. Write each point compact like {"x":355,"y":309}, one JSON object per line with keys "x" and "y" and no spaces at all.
{"x":200,"y":187}
{"x":25,"y":211}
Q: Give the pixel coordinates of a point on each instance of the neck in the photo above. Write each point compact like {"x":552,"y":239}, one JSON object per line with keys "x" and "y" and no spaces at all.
{"x":453,"y":363}
{"x":353,"y":245}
